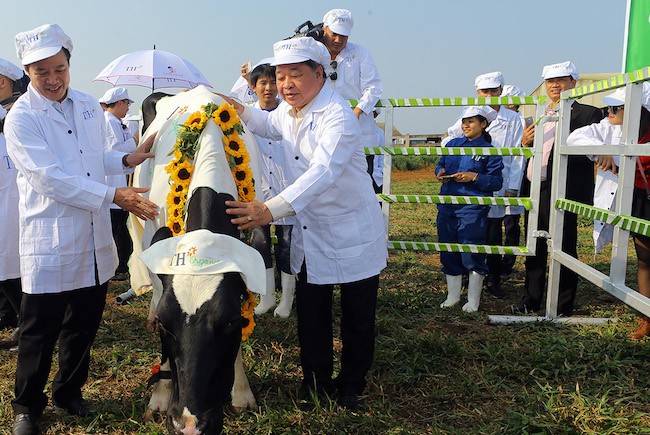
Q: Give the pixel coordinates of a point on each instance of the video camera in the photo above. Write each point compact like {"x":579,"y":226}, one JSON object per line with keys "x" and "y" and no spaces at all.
{"x":309,"y":29}
{"x":20,"y":85}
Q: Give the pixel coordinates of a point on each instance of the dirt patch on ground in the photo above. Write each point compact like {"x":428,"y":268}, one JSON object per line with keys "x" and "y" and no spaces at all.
{"x":424,"y":174}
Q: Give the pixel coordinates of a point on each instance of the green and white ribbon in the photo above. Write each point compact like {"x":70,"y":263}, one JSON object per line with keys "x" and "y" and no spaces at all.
{"x":456,"y":247}
{"x":458,"y":101}
{"x":451,"y":151}
{"x":614,"y":82}
{"x":460,"y":200}
{"x":630,"y":223}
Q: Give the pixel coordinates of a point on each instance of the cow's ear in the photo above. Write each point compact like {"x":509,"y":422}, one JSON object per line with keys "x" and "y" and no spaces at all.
{"x":162,"y":234}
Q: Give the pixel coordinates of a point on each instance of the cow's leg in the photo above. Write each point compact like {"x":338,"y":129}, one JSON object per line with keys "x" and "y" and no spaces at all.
{"x":242,"y":396}
{"x":161,"y":394}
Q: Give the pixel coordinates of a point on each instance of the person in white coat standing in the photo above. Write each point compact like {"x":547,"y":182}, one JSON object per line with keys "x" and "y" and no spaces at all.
{"x":353,"y":74}
{"x":56,"y":138}
{"x":119,"y":138}
{"x":10,"y":291}
{"x":339,"y":236}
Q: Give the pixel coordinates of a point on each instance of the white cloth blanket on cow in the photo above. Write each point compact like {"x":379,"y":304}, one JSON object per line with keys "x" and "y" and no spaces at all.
{"x":211,"y":169}
{"x":203,"y":252}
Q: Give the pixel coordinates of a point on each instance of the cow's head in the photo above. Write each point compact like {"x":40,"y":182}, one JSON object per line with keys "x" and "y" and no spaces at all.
{"x":199,"y":314}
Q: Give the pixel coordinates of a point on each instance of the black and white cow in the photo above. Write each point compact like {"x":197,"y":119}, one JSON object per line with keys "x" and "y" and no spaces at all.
{"x":196,"y":306}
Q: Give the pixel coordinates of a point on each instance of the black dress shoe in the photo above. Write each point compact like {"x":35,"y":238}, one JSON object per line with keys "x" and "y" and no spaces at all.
{"x":25,"y":424}
{"x":496,"y":291}
{"x":80,"y":407}
{"x":12,"y":341}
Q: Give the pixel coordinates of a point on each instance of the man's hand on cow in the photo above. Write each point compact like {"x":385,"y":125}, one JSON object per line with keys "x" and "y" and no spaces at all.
{"x":129,"y":199}
{"x":142,"y":152}
{"x":249,"y":214}
{"x":239,"y":107}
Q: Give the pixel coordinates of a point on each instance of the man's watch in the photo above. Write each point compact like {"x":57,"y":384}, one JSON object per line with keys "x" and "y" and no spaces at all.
{"x":124,"y":162}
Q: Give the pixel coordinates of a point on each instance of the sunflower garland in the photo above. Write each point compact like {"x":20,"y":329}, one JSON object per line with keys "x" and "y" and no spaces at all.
{"x":181,"y":168}
{"x":247,"y":314}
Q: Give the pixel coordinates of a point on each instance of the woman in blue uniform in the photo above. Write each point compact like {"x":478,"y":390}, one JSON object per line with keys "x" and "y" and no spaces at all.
{"x":470,"y":175}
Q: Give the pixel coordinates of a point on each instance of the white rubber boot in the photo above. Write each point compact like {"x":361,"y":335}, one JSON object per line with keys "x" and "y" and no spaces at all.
{"x":454,"y":283}
{"x":473,"y":292}
{"x":288,"y":290}
{"x":267,"y":301}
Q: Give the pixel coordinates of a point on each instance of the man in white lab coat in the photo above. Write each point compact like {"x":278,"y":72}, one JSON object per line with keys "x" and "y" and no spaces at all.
{"x":353,"y":74}
{"x":56,"y":138}
{"x":339,"y":237}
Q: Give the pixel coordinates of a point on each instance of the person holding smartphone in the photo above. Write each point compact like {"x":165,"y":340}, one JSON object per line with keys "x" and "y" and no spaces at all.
{"x":469,"y":175}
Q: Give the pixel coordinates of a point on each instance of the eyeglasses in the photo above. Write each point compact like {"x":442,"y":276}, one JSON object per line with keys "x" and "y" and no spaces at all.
{"x":334,"y":64}
{"x":614,"y":109}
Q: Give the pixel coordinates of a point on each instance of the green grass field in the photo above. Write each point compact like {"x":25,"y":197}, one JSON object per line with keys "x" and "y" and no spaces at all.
{"x":435,"y":371}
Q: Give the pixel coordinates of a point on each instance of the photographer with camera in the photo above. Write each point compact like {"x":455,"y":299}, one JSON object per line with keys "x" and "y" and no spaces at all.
{"x":353,"y":73}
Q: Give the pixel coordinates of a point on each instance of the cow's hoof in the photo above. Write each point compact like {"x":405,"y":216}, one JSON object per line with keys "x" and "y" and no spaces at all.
{"x":243,"y":405}
{"x":148,"y":415}
{"x":282,"y":311}
{"x":151,"y":415}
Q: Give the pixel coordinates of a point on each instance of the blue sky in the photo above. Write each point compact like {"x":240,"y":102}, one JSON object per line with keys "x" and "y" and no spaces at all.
{"x":423,"y":48}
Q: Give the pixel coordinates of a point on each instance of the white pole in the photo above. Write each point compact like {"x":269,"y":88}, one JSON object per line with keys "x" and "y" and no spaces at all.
{"x":625,"y":35}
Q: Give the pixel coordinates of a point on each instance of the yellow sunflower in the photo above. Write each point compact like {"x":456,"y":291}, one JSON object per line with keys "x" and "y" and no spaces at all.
{"x":234,"y":145}
{"x":175,"y":198}
{"x":243,"y":176}
{"x":176,"y":224}
{"x":181,"y":172}
{"x":225,"y":117}
{"x":196,"y":120}
{"x":246,"y":193}
{"x":247,"y":308}
{"x":242,"y":161}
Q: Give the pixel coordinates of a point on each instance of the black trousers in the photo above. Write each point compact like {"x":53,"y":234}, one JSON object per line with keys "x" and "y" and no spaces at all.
{"x":122,"y":238}
{"x":72,"y":318}
{"x":513,"y":235}
{"x":314,"y":308}
{"x":494,"y":237}
{"x":536,"y":265}
{"x":10,"y":296}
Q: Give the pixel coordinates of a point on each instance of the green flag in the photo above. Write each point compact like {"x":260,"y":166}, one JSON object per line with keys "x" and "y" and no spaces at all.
{"x":637,"y":46}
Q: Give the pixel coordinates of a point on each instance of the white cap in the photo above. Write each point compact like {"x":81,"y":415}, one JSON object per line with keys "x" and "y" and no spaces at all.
{"x":114,"y":95}
{"x":485,"y":111}
{"x":298,"y":50}
{"x":489,"y":80}
{"x":339,"y":21}
{"x":617,"y":98}
{"x":40,"y":43}
{"x":10,"y":70}
{"x":562,"y":69}
{"x":203,"y":252}
{"x":512,"y":91}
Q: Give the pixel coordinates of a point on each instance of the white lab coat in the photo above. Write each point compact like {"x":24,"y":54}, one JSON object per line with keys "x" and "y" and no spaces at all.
{"x":9,"y":259}
{"x":358,"y":79}
{"x":119,"y":139}
{"x":340,"y":230}
{"x":274,"y":173}
{"x":65,"y":225}
{"x":601,"y":133}
{"x":506,"y":132}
